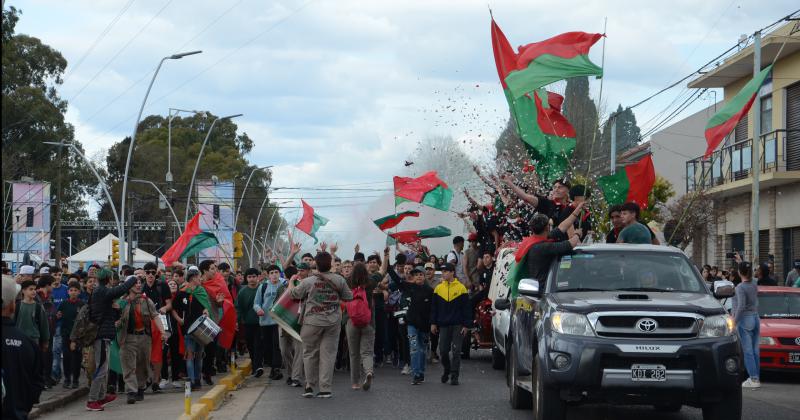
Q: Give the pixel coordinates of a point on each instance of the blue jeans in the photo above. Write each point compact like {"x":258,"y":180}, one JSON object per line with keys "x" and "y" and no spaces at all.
{"x":418,"y":344}
{"x":749,"y":329}
{"x":194,"y":364}
{"x":57,"y":351}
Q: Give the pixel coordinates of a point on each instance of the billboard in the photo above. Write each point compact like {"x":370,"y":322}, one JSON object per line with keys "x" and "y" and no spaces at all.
{"x":30,"y":218}
{"x":215,"y":201}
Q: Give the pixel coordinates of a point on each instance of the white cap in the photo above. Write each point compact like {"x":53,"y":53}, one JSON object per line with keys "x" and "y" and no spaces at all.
{"x":10,"y":289}
{"x":44,"y":270}
{"x":26,"y":270}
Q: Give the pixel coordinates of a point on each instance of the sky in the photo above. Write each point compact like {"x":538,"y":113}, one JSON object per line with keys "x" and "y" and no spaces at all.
{"x":339,"y":93}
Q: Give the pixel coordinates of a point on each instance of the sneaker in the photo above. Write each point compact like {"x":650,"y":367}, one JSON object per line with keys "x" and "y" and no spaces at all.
{"x":445,"y":377}
{"x":367,"y":382}
{"x":140,"y":394}
{"x":67,"y":385}
{"x":196,"y":386}
{"x":751,"y":383}
{"x":435,"y":359}
{"x":296,"y":384}
{"x":207,"y":379}
{"x":416,"y":381}
{"x":454,"y":380}
{"x":163,"y":384}
{"x":94,"y":406}
{"x":289,"y":381}
{"x":131,"y":398}
{"x":75,"y":385}
{"x":276,"y":375}
{"x":308,"y":393}
{"x":108,"y":398}
{"x":422,"y":378}
{"x":406,"y":370}
{"x":178,"y":384}
{"x":324,"y":395}
{"x":259,"y":372}
{"x":156,"y":389}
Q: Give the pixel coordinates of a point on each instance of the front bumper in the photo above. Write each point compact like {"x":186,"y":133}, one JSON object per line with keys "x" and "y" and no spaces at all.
{"x":600,"y":368}
{"x":775,"y":358}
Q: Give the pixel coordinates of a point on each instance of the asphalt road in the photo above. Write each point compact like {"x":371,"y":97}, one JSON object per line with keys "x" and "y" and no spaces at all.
{"x":481,"y":395}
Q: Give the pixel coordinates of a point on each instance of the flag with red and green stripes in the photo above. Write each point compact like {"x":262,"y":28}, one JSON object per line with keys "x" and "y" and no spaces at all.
{"x":632,"y":184}
{"x":723,"y":122}
{"x":311,"y":221}
{"x":393,"y":220}
{"x":427,"y":189}
{"x":411,"y":236}
{"x":192,"y":241}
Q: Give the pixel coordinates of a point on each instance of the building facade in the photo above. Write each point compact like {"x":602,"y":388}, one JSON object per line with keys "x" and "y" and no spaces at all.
{"x":727,"y":177}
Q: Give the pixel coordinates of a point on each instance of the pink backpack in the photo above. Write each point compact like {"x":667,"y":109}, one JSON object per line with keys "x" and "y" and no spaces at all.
{"x":358,"y":308}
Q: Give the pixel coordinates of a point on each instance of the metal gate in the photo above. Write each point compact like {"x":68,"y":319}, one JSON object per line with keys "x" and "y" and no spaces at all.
{"x":793,"y":127}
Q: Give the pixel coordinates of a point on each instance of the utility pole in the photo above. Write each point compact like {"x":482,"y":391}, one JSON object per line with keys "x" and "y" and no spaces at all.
{"x":59,"y":198}
{"x":129,"y":244}
{"x":613,"y":122}
{"x":756,"y":145}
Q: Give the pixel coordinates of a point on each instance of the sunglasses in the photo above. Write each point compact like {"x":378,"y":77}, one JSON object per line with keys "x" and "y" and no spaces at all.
{"x":150,"y":272}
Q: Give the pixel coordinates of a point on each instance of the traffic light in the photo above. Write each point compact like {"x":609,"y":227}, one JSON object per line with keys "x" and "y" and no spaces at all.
{"x":115,"y":253}
{"x":237,"y":245}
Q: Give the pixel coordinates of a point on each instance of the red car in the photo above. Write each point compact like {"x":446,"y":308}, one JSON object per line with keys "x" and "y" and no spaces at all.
{"x":779,"y":310}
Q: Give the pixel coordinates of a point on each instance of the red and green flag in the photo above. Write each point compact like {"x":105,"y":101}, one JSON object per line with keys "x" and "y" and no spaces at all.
{"x":519,"y":267}
{"x":558,"y":58}
{"x":427,"y":189}
{"x":723,"y":122}
{"x":632,"y":184}
{"x":311,"y":221}
{"x":192,"y":240}
{"x":393,"y":220}
{"x":411,"y":236}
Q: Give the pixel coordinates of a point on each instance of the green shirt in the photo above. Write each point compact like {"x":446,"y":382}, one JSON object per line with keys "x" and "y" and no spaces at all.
{"x":26,"y":321}
{"x":244,"y":306}
{"x":636,"y":233}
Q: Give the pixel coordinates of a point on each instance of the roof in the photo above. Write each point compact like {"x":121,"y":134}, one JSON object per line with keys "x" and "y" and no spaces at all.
{"x":778,"y":289}
{"x":101,"y":250}
{"x":629,"y":156}
{"x":629,"y":247}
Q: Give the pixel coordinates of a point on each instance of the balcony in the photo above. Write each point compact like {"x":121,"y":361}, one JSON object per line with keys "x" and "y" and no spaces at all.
{"x":729,"y":170}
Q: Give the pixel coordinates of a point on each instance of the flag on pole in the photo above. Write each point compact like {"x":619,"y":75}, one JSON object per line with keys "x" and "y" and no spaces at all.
{"x":723,"y":122}
{"x":519,"y":267}
{"x":311,"y":221}
{"x":427,"y":189}
{"x":393,"y":220}
{"x":192,"y":240}
{"x":633,"y":184}
{"x":410,"y":236}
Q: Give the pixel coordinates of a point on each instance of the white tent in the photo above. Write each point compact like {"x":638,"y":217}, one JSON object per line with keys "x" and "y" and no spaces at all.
{"x":100,"y":251}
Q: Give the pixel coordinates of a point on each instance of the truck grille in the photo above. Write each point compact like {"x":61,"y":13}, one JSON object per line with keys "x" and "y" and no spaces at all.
{"x":626,"y":325}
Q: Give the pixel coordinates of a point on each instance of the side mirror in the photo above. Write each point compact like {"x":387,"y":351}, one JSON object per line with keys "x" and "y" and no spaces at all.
{"x":502,"y":304}
{"x":529,"y":287}
{"x":723,"y":289}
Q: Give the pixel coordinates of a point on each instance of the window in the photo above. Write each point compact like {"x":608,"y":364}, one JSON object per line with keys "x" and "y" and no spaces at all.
{"x":716,"y":166}
{"x":769,"y":150}
{"x":690,"y":181}
{"x":29,"y":217}
{"x":766,"y":114}
{"x":747,"y":158}
{"x":736,"y":159}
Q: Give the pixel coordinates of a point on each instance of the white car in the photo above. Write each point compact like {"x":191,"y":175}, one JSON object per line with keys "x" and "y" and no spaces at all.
{"x":502,"y":316}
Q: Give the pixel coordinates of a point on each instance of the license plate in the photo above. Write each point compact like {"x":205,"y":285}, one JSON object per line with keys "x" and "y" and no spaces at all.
{"x":648,"y":373}
{"x":794,"y":357}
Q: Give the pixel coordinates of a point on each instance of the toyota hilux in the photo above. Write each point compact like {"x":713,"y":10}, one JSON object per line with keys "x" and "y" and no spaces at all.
{"x":623,"y":324}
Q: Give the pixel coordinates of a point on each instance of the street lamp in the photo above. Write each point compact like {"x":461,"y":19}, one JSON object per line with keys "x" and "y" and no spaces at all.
{"x":133,"y":140}
{"x":171,"y":117}
{"x":244,"y":190}
{"x":100,"y":181}
{"x":197,"y":163}
{"x":144,"y":181}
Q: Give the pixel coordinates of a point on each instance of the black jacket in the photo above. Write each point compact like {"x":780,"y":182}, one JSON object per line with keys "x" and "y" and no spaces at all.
{"x":419,"y":309}
{"x":100,"y":306}
{"x":22,"y":367}
{"x":541,"y":255}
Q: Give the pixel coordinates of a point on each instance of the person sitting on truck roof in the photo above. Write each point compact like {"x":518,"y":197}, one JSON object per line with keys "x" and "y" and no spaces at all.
{"x":547,"y":244}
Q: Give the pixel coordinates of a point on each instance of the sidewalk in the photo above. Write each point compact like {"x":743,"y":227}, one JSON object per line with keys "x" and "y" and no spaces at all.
{"x":56,"y":397}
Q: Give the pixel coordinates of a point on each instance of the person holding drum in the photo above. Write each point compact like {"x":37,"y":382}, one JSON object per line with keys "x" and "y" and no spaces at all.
{"x":189,"y":308}
{"x":321,"y":324}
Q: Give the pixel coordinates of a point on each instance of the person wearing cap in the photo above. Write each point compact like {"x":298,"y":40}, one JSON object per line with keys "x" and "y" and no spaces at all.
{"x":456,"y":257}
{"x":25,"y":273}
{"x":103,"y":314}
{"x":745,"y":316}
{"x":471,"y":257}
{"x":22,"y":361}
{"x":247,"y":319}
{"x":266,"y":295}
{"x":451,"y":318}
{"x":794,"y":275}
{"x":418,"y":318}
{"x":551,"y":206}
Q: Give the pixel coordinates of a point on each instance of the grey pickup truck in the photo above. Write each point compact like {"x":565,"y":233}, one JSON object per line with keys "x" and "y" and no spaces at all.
{"x":623,"y":324}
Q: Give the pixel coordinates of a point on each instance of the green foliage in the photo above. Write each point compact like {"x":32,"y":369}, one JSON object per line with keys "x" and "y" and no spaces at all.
{"x":628,"y":133}
{"x":657,"y":200}
{"x":581,"y":111}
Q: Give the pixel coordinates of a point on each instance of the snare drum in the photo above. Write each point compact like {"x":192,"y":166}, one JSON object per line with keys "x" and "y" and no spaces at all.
{"x":164,"y":321}
{"x":286,"y":313}
{"x":203,"y":330}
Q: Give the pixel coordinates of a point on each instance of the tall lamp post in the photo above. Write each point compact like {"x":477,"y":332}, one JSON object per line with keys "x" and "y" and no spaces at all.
{"x":101,"y":182}
{"x":244,"y":190}
{"x":133,"y":141}
{"x":197,"y":163}
{"x":144,"y":181}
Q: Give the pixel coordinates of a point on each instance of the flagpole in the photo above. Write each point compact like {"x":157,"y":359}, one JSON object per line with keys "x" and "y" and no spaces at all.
{"x":599,"y":100}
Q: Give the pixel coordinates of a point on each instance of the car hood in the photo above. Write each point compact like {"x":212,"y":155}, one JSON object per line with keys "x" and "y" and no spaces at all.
{"x":586,"y":302}
{"x":780,"y":327}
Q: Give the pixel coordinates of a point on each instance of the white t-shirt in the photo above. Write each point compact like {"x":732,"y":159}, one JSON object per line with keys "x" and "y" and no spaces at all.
{"x":457,"y":259}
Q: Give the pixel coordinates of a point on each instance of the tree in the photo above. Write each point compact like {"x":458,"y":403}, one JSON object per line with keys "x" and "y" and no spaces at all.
{"x":657,"y":200}
{"x":581,"y":111}
{"x":688,"y":217}
{"x":628,"y":133}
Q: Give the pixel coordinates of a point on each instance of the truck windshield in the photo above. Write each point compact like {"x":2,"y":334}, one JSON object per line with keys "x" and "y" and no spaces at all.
{"x":779,"y":305}
{"x":634,"y":271}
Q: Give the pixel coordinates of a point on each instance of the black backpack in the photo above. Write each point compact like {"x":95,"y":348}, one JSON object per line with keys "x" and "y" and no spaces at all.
{"x":84,"y":331}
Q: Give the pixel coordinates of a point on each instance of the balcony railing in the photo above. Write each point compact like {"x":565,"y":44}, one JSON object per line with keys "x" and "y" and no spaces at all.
{"x":734,"y":162}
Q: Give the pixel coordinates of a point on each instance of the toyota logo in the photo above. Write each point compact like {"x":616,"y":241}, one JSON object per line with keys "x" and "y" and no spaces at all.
{"x":797,"y":341}
{"x":647,"y":325}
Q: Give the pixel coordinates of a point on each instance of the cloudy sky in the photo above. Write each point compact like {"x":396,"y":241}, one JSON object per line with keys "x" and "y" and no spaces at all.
{"x":340,"y":92}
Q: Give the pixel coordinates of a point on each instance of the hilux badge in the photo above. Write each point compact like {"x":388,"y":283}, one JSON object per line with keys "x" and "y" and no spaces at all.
{"x":647,"y":325}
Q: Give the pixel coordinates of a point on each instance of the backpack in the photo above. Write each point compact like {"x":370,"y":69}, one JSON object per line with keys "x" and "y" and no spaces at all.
{"x":84,"y":331}
{"x":358,"y":308}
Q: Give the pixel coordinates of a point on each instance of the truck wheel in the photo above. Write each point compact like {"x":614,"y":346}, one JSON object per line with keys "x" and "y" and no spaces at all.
{"x":519,"y":397}
{"x":498,"y":360}
{"x":547,"y":403}
{"x":729,"y":408}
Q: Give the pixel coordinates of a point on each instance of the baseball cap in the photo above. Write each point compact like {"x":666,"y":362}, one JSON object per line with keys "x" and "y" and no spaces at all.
{"x":416,"y":270}
{"x":26,"y":270}
{"x":44,"y":270}
{"x":430,"y":265}
{"x":448,"y":267}
{"x":303,"y":266}
{"x":796,"y":263}
{"x":472,"y":237}
{"x":192,"y":270}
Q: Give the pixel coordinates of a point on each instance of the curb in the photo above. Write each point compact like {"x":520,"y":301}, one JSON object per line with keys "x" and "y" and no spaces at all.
{"x":58,"y":402}
{"x":214,"y":397}
{"x":199,"y":412}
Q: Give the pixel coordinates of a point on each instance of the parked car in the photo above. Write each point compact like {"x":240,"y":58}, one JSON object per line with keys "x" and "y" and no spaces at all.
{"x":779,"y":310}
{"x":624,"y":324}
{"x":498,"y":292}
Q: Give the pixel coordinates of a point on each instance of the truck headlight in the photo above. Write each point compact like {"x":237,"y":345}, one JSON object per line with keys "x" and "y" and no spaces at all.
{"x":767,"y":341}
{"x":571,"y":323}
{"x":717,"y":326}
